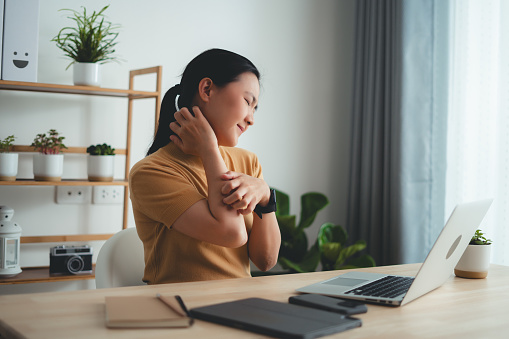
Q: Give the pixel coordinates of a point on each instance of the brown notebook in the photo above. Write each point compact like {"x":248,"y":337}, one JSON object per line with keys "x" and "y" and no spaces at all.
{"x":145,"y":311}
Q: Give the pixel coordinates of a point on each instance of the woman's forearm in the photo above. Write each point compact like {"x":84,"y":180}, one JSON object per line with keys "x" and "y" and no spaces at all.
{"x":214,"y":167}
{"x":264,"y":241}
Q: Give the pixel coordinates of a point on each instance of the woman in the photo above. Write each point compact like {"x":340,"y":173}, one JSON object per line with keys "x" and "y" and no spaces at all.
{"x":194,"y":194}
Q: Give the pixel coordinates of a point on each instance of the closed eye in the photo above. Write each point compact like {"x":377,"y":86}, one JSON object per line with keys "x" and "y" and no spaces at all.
{"x":249,"y":104}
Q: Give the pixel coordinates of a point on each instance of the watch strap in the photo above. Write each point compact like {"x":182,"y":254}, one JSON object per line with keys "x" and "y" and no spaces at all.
{"x":269,"y":208}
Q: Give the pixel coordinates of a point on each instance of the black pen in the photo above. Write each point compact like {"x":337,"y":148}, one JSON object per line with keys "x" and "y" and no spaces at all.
{"x":181,"y":302}
{"x":170,"y":304}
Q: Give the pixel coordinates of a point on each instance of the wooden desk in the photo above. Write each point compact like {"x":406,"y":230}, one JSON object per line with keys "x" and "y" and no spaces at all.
{"x":461,"y":308}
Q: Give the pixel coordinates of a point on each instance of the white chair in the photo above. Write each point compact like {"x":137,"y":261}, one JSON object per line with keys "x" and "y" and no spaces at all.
{"x":120,"y":261}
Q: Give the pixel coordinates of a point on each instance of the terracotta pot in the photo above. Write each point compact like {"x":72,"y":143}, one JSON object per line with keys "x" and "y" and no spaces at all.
{"x":86,"y":74}
{"x":48,"y":167}
{"x":8,"y":166}
{"x":100,"y":167}
{"x":474,"y":262}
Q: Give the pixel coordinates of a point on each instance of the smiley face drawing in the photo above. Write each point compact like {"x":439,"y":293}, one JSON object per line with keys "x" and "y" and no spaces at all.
{"x":20,"y":63}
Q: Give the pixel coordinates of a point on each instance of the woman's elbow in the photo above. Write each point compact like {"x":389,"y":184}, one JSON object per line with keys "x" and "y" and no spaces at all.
{"x":266,"y":263}
{"x":235,"y":237}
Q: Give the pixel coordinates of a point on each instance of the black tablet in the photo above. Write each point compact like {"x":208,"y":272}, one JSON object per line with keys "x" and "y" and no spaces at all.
{"x":276,"y":319}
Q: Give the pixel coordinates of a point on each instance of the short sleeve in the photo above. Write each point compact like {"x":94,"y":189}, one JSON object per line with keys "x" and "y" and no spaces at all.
{"x":162,"y":194}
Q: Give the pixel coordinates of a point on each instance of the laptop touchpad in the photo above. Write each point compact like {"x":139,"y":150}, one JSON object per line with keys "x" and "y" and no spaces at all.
{"x":345,"y":281}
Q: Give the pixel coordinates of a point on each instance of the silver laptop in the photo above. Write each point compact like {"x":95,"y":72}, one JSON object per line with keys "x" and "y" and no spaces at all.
{"x":393,"y":290}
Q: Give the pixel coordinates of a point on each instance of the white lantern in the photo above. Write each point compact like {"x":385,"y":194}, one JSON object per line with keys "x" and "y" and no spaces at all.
{"x":10,"y":233}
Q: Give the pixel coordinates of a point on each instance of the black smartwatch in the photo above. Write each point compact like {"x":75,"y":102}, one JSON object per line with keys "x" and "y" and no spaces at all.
{"x":270,"y":207}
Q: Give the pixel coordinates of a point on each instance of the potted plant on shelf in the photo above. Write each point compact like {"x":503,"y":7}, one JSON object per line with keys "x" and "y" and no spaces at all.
{"x":89,"y":44}
{"x":8,"y":160}
{"x":49,"y":162}
{"x":100,"y":162}
{"x":475,"y":261}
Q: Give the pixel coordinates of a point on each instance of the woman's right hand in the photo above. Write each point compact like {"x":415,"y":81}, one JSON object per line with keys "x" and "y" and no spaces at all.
{"x":194,"y":135}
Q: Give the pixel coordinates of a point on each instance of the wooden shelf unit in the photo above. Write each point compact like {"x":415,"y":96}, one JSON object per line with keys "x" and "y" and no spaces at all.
{"x":131,"y":95}
{"x":32,"y":275}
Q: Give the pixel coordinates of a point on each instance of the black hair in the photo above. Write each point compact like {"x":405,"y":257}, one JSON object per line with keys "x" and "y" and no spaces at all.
{"x":221,"y":66}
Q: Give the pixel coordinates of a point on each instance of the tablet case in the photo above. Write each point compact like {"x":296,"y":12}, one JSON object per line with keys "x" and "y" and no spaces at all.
{"x":276,"y":319}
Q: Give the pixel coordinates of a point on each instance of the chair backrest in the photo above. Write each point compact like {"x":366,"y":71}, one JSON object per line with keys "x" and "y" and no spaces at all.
{"x":120,"y":261}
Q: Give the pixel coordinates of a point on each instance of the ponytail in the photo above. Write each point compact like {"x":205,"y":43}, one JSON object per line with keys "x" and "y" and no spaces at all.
{"x":166,"y":116}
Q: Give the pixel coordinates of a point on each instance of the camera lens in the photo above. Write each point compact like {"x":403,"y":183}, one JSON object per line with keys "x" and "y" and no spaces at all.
{"x":75,"y":264}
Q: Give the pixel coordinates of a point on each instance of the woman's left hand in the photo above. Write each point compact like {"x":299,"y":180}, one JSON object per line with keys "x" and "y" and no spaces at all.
{"x":243,"y":192}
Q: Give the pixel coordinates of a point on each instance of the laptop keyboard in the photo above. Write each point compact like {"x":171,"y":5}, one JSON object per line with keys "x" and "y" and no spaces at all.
{"x":387,"y":287}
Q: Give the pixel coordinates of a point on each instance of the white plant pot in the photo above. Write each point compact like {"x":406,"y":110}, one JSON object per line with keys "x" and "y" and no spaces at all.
{"x":8,"y":166}
{"x":100,"y":167}
{"x":48,"y":167}
{"x":86,"y":74}
{"x":474,"y":262}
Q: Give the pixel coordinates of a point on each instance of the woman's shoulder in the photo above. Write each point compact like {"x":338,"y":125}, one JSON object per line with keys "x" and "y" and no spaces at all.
{"x":238,"y":152}
{"x":149,"y":160}
{"x":165,"y":158}
{"x":241,"y":160}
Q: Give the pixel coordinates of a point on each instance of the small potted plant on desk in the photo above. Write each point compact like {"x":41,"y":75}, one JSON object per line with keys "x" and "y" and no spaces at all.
{"x":475,"y":261}
{"x":100,"y":162}
{"x":49,"y":162}
{"x":89,"y":44}
{"x":8,"y":160}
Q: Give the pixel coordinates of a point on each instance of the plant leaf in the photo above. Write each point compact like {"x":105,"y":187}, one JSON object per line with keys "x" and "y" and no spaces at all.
{"x":311,"y":259}
{"x":307,"y":264}
{"x":282,"y":203}
{"x":331,"y":233}
{"x":349,"y":251}
{"x":295,"y":247}
{"x":286,"y":225}
{"x":331,"y":250}
{"x":311,"y":203}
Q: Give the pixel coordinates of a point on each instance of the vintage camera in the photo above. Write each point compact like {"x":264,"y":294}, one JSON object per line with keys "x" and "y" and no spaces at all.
{"x":70,"y":259}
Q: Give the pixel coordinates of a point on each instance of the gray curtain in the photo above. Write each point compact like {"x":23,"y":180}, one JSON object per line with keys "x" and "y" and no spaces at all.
{"x":399,"y":125}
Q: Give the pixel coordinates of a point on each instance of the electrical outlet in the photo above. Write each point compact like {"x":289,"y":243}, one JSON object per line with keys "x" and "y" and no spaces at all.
{"x":72,"y":194}
{"x":108,"y":195}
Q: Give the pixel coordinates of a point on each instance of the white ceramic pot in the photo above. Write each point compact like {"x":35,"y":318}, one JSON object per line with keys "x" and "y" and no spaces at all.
{"x":48,"y":167}
{"x":8,"y":166}
{"x":100,"y":167}
{"x":474,"y":262}
{"x":86,"y":74}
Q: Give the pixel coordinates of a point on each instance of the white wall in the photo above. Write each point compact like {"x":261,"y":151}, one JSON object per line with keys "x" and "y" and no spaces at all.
{"x":303,"y":48}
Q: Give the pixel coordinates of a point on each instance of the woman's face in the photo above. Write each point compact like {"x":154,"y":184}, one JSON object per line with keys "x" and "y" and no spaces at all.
{"x":230,"y":110}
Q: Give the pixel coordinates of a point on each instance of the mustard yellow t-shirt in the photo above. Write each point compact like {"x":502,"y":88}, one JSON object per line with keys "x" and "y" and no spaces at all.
{"x":162,"y":186}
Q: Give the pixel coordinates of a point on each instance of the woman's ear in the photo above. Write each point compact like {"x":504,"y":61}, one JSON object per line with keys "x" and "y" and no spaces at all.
{"x":205,"y":89}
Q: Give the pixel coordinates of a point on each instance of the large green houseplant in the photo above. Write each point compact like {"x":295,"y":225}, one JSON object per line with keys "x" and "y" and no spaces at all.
{"x":330,"y":248}
{"x":90,"y":43}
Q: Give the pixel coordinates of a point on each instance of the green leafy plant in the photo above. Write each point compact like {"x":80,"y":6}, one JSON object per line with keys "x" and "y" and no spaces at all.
{"x":479,"y":239}
{"x":92,"y":40}
{"x":6,"y":144}
{"x":335,"y":255}
{"x":293,"y":253}
{"x":98,"y":149}
{"x":330,"y":247}
{"x":50,"y":143}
